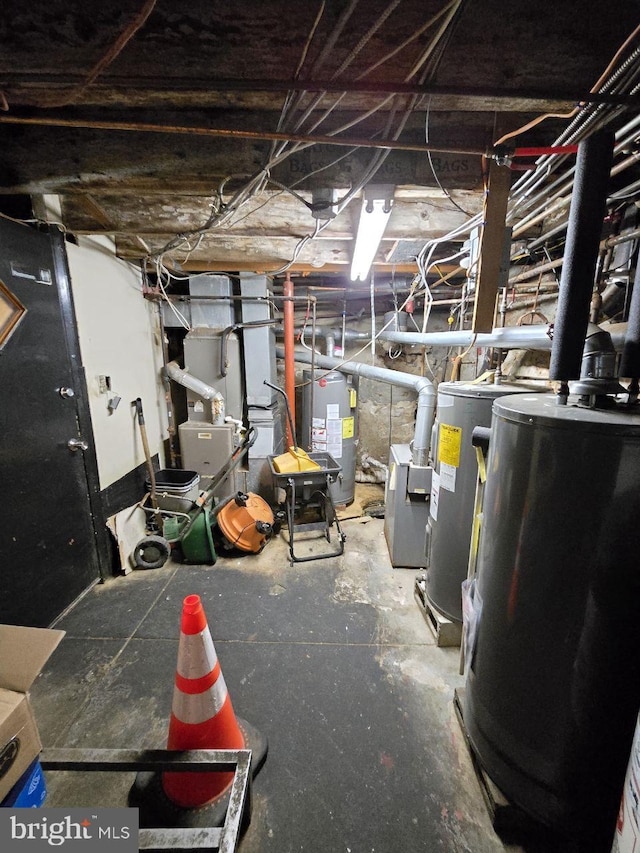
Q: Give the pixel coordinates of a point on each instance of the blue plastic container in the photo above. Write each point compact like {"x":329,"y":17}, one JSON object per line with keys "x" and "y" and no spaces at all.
{"x":29,"y":792}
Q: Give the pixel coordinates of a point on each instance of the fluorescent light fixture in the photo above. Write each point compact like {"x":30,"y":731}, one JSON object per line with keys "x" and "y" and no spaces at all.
{"x":374,"y":215}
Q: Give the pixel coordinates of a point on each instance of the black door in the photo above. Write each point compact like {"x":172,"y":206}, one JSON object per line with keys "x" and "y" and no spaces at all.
{"x":47,"y":543}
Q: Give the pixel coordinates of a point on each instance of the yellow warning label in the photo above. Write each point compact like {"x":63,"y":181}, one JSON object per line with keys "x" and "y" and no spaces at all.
{"x":348,"y":427}
{"x":482,"y":468}
{"x":353,"y":398}
{"x":449,"y":445}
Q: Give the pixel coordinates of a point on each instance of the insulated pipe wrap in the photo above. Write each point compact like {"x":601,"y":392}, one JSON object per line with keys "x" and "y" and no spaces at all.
{"x":630,"y":362}
{"x":588,"y":204}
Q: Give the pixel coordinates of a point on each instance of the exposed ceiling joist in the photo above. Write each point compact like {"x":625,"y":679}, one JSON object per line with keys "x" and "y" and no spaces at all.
{"x":166,"y":112}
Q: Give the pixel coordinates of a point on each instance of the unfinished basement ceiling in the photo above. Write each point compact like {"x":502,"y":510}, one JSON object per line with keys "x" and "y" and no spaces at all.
{"x":385,"y":71}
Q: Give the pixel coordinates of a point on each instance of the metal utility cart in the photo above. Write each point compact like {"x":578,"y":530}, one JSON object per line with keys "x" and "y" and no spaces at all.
{"x":307,"y":494}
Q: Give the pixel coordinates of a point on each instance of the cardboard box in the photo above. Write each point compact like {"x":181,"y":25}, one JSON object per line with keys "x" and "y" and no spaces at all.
{"x":23,"y":653}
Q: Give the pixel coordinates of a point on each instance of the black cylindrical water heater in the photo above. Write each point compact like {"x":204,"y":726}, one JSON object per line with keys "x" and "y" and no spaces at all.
{"x":553,"y":688}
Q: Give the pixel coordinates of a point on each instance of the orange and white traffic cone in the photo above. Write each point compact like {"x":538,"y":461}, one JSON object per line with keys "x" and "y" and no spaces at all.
{"x":202,"y":717}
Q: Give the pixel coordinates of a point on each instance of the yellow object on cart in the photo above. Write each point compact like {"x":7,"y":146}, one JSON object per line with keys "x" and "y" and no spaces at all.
{"x":295,"y":459}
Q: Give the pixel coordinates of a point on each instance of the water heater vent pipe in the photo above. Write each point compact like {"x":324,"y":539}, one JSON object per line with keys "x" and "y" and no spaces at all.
{"x":419,"y":384}
{"x":538,"y":337}
{"x":206,"y":391}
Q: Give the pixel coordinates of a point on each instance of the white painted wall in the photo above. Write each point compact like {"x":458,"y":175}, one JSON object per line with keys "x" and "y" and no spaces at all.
{"x":120,"y":337}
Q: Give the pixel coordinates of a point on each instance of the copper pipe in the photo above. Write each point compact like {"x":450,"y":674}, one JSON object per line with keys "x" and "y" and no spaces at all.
{"x":547,"y":266}
{"x":532,"y":272}
{"x":526,"y":223}
{"x":230,"y":133}
{"x":289,"y":355}
{"x":625,"y":237}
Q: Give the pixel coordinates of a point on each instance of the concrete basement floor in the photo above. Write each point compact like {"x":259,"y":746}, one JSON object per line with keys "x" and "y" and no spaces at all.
{"x":332,"y":660}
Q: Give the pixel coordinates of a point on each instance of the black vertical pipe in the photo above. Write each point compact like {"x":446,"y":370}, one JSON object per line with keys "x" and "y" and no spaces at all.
{"x":586,"y":214}
{"x":630,"y":361}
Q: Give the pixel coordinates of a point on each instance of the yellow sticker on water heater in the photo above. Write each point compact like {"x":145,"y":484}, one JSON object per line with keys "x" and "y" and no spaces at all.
{"x":449,"y":443}
{"x":353,"y":398}
{"x":348,"y":425}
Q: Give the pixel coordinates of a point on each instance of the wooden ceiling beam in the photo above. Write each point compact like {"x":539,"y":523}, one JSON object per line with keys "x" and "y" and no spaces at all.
{"x":43,"y":86}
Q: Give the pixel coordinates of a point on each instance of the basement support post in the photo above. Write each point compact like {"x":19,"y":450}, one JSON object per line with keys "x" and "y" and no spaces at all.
{"x":491,"y":247}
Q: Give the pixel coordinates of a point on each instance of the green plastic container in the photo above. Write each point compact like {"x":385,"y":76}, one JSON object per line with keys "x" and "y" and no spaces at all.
{"x":197,"y":543}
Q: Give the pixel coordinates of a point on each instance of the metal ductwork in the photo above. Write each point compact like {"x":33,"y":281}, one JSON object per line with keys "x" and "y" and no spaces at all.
{"x":598,"y":376}
{"x":330,"y":335}
{"x":422,"y":387}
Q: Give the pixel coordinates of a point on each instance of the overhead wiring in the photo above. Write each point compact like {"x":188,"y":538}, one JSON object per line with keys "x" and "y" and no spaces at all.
{"x":309,"y":39}
{"x":428,"y":295}
{"x":373,"y":29}
{"x":350,"y":58}
{"x":320,"y":60}
{"x":178,"y":314}
{"x":300,"y":246}
{"x":437,"y":44}
{"x":527,"y":191}
{"x":380,"y":156}
{"x":415,"y":35}
{"x":371,"y":68}
{"x":28,"y":222}
{"x":618,"y":80}
{"x":223,"y":212}
{"x":303,"y":56}
{"x":316,"y":101}
{"x":432,"y":167}
{"x":293,"y":185}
